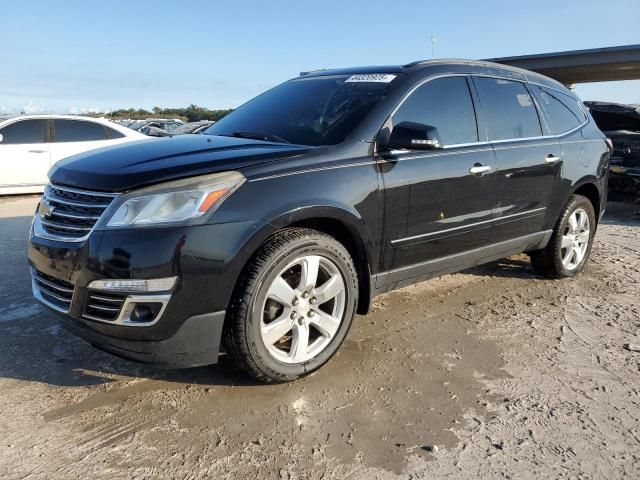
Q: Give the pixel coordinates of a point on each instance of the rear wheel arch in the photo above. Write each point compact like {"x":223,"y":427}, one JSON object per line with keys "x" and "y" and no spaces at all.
{"x":590,"y":190}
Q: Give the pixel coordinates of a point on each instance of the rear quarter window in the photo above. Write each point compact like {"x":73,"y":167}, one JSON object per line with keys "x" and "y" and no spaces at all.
{"x":112,"y":134}
{"x":562,"y":112}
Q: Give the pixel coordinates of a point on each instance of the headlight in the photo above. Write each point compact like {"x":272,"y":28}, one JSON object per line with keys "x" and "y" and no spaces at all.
{"x":183,"y":201}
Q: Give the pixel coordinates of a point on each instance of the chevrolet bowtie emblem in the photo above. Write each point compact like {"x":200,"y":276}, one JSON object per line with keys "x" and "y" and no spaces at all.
{"x":45,"y":210}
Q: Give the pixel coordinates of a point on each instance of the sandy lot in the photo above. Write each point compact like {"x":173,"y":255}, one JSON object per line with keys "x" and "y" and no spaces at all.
{"x":492,"y":373}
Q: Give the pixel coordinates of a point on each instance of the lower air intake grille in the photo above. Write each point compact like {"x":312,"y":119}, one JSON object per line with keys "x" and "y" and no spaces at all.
{"x":103,"y":306}
{"x":53,"y":291}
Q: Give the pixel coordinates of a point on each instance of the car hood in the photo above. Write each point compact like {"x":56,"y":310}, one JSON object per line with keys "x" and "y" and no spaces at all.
{"x":136,"y":164}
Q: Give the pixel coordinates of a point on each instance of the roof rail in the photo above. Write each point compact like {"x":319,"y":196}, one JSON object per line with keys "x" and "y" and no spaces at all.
{"x":413,"y":64}
{"x":302,"y":74}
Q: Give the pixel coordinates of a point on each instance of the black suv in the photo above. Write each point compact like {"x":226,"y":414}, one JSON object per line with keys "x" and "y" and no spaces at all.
{"x":270,"y":231}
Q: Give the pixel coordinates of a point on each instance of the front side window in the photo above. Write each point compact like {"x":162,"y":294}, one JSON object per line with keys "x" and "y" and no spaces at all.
{"x":24,"y":132}
{"x":77,"y":131}
{"x":563,"y":113}
{"x":314,"y":111}
{"x":509,"y":109}
{"x":446,"y":104}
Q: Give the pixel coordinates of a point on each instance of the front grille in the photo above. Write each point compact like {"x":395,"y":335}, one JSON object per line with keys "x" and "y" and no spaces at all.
{"x":70,"y":214}
{"x":103,"y":306}
{"x":53,"y":291}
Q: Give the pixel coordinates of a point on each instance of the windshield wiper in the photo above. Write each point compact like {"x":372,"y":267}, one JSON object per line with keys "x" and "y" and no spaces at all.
{"x":267,"y":137}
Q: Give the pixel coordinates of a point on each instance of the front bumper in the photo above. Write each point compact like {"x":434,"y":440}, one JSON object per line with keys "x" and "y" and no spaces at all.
{"x":196,"y":343}
{"x":206,"y":259}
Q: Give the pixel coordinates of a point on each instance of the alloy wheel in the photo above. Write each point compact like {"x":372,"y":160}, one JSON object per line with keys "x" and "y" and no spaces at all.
{"x":575,"y":240}
{"x":303,"y":309}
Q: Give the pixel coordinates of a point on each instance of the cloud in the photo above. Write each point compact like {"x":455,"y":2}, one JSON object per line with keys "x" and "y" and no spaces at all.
{"x":31,"y":108}
{"x":83,"y":111}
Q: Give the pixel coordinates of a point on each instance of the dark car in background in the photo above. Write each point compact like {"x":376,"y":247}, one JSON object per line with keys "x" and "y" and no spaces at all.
{"x":156,"y":127}
{"x":621,"y":123}
{"x":193,"y":127}
{"x":267,"y":233}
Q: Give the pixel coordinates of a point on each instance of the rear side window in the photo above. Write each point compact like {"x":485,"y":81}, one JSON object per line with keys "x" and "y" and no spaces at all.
{"x":509,"y":109}
{"x":446,"y":104}
{"x":77,"y":131}
{"x":111,"y":133}
{"x":563,"y":112}
{"x":25,"y":131}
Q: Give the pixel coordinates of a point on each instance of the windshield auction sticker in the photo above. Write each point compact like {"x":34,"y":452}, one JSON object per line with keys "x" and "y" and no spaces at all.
{"x":371,"y":77}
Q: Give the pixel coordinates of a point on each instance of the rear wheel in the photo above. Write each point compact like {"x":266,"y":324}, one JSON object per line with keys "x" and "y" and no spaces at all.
{"x":570,"y":243}
{"x":293,"y":306}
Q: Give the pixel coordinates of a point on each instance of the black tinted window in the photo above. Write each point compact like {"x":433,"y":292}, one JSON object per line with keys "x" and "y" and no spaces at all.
{"x":111,"y":133}
{"x":563,"y":113}
{"x":446,"y":104}
{"x":509,"y":109}
{"x":78,"y":131}
{"x":25,"y":131}
{"x":309,"y":111}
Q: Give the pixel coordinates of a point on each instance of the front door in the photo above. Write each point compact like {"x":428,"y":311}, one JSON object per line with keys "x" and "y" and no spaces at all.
{"x":24,"y":153}
{"x":438,"y":202}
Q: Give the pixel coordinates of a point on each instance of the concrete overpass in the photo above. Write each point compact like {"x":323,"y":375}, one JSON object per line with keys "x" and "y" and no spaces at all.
{"x":582,"y":66}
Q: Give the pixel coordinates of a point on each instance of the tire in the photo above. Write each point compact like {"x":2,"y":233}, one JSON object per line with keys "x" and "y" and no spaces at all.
{"x":270,"y":297}
{"x":553,"y":261}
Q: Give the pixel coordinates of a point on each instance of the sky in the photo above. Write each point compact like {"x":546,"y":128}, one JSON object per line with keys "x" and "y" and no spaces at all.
{"x":68,"y":56}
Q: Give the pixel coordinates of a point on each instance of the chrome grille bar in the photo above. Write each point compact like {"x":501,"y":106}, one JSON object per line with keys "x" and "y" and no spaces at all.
{"x":69,"y":214}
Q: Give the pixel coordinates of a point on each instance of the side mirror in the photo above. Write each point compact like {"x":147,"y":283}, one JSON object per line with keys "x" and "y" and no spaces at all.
{"x":414,"y":136}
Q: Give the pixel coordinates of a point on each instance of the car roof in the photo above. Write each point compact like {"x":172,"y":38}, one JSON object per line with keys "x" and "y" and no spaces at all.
{"x":422,"y":67}
{"x":50,"y":116}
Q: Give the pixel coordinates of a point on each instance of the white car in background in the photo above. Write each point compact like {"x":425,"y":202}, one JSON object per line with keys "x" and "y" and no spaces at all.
{"x":31,"y":144}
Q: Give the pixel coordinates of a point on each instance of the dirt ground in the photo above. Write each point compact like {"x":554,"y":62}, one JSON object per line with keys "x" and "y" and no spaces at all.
{"x":491,"y":373}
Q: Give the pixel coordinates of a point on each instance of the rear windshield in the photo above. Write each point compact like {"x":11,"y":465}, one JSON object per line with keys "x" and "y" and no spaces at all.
{"x":308,"y":111}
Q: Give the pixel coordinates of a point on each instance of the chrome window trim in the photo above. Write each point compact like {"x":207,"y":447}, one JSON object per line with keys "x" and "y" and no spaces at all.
{"x":535,"y":211}
{"x":488,"y":142}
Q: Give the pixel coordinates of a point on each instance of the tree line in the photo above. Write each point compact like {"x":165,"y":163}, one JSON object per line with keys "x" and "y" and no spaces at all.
{"x":192,"y":113}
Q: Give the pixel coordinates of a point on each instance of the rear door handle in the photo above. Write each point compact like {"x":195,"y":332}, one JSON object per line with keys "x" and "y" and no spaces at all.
{"x":478,"y":169}
{"x":551,"y":159}
{"x":37,"y":151}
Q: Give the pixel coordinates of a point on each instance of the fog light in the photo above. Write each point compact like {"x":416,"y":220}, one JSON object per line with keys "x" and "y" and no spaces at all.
{"x":145,"y":312}
{"x":150,"y":285}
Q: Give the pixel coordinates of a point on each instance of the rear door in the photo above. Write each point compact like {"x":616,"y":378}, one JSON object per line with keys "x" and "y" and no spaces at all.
{"x":564,"y":115}
{"x":434,"y":206}
{"x":24,"y":153}
{"x":76,"y":136}
{"x":528,"y":163}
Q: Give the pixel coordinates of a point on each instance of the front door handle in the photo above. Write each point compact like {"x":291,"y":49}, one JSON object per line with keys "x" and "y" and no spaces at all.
{"x":37,"y":151}
{"x":551,"y":159}
{"x":478,"y":169}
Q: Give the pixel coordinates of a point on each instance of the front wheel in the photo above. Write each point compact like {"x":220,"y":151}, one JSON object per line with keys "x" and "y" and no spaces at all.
{"x":570,"y":243}
{"x":293,"y":306}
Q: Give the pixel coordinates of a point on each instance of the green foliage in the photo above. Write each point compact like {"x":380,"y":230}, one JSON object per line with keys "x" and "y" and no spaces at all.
{"x":192,"y":113}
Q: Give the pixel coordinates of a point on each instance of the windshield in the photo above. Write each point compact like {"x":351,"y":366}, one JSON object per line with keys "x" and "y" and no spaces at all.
{"x":307,"y":111}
